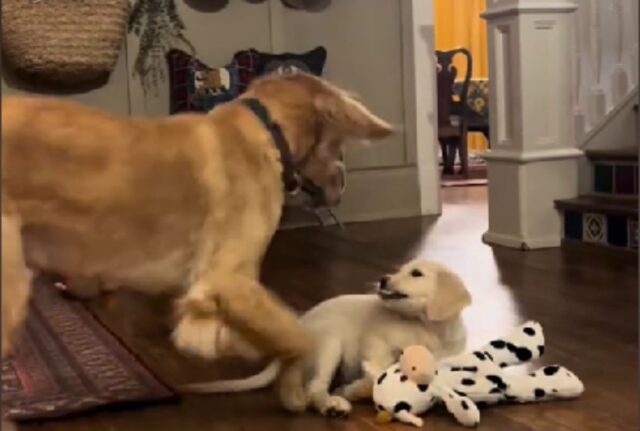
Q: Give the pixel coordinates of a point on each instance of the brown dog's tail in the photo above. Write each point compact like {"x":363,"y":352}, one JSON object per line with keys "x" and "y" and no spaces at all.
{"x":258,"y":381}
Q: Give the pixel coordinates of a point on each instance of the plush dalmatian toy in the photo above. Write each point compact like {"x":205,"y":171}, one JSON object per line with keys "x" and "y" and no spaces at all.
{"x":462,"y":383}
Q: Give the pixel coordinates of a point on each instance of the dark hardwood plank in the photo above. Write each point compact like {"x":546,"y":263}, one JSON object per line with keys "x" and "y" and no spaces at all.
{"x":587,"y":303}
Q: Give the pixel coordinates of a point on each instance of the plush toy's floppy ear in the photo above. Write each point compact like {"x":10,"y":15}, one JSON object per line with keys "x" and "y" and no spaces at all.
{"x":450,"y":297}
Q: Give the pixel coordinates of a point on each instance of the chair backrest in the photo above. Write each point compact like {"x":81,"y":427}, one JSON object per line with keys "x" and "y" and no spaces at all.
{"x":446,"y":76}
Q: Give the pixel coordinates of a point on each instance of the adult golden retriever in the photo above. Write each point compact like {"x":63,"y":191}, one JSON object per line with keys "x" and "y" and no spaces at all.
{"x":186,"y":202}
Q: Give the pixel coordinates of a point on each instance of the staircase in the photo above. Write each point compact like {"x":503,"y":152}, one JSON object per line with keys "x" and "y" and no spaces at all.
{"x":608,"y":216}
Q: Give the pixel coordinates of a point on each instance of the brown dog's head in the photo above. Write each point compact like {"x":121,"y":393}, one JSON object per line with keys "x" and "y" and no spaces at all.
{"x":317,"y":118}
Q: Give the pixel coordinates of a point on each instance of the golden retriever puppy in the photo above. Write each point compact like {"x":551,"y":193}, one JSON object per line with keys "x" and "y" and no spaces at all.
{"x":186,"y":203}
{"x":420,"y":304}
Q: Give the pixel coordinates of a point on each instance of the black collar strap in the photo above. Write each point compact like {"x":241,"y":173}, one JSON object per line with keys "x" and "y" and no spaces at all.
{"x":289,"y":178}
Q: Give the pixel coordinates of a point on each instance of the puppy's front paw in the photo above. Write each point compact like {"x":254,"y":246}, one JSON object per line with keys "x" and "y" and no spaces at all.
{"x":336,"y":407}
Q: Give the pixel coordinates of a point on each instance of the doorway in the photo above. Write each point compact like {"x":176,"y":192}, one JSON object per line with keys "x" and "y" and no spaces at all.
{"x":463,"y":125}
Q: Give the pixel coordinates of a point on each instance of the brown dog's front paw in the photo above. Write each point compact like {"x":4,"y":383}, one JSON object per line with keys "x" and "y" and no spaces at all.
{"x":201,"y":337}
{"x":290,"y":386}
{"x":294,"y":400}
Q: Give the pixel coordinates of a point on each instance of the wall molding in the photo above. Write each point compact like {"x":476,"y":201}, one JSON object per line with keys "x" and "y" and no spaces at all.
{"x":419,"y":88}
{"x":532,"y":156}
{"x":311,"y":221}
{"x":529,"y":8}
{"x":519,"y":243}
{"x":276,"y":26}
{"x":602,"y":123}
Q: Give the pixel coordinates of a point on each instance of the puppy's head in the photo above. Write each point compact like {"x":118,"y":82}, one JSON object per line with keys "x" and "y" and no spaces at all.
{"x":424,"y":288}
{"x":317,"y":119}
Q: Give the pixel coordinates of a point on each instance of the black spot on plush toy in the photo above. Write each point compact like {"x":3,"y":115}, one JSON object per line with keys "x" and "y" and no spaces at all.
{"x":464,"y":382}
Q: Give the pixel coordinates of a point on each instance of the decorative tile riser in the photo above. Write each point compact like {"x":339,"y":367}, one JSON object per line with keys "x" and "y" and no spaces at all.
{"x":603,"y":229}
{"x":617,"y":178}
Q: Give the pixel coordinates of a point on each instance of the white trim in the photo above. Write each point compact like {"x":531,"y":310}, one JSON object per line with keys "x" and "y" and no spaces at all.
{"x":276,"y":26}
{"x":523,"y":244}
{"x":419,"y":88}
{"x":532,"y":156}
{"x":408,"y":85}
{"x":529,"y":8}
{"x":626,"y":100}
{"x":356,"y":218}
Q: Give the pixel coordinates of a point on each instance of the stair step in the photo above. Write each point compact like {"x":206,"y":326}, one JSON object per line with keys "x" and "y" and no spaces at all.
{"x":601,"y":220}
{"x":600,"y":204}
{"x":614,"y":154}
{"x":599,"y":250}
{"x":619,"y":177}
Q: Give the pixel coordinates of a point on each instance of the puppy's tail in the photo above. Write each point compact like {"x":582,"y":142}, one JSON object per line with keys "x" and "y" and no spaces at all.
{"x":258,"y":381}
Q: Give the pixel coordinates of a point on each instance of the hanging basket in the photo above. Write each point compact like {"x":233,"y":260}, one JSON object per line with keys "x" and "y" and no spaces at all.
{"x":301,"y":4}
{"x":63,"y":42}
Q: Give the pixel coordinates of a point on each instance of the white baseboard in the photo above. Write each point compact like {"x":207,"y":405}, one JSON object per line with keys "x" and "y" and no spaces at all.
{"x":355,"y":218}
{"x":520,"y":243}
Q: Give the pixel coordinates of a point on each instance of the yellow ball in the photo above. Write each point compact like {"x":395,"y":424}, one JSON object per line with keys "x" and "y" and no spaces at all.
{"x":383,"y":417}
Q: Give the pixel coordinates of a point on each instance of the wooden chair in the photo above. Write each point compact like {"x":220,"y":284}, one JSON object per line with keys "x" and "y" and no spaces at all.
{"x":453,"y":115}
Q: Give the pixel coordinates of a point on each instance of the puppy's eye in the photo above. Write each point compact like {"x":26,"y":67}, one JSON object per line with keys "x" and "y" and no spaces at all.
{"x":416,"y":273}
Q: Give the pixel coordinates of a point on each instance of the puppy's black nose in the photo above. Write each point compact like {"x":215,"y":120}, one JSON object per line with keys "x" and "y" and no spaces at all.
{"x":384,"y":281}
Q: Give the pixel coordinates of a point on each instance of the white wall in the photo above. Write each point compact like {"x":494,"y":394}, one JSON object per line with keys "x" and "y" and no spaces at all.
{"x":216,"y":35}
{"x":600,"y":27}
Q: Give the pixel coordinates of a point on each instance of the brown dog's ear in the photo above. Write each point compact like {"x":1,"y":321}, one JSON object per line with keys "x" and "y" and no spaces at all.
{"x":349,"y":117}
{"x":451,"y":296}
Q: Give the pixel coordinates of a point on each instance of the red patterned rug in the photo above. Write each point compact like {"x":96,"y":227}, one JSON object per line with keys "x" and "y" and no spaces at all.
{"x":66,"y":362}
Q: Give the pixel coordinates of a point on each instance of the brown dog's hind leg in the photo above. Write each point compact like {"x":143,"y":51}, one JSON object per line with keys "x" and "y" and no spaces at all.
{"x":256,"y":316}
{"x":16,"y":281}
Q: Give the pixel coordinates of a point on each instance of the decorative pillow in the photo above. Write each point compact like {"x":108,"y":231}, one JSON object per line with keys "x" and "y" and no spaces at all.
{"x":210,"y":87}
{"x":194,"y":86}
{"x":477,"y":95}
{"x":247,"y":62}
{"x":310,"y":62}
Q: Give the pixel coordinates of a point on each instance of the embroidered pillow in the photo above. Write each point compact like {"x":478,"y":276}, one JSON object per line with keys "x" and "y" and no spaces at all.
{"x":310,"y":62}
{"x":210,"y":87}
{"x":194,"y":86}
{"x":247,"y":62}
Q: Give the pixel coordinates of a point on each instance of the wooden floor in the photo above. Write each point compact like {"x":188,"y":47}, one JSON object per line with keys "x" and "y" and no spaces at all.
{"x":587,"y":303}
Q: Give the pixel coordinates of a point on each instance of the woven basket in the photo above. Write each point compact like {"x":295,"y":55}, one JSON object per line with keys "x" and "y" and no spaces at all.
{"x":302,"y":4}
{"x":63,"y":42}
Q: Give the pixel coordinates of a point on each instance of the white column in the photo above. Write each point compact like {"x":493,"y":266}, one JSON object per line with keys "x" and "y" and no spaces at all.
{"x":533,"y":158}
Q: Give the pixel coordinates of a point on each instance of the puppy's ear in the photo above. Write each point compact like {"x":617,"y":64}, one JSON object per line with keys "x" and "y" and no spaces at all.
{"x":450,"y":298}
{"x":348,"y":116}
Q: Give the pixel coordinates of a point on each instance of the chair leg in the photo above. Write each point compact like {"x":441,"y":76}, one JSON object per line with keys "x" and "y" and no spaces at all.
{"x":486,"y":135}
{"x":447,"y":163}
{"x":464,"y":156}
